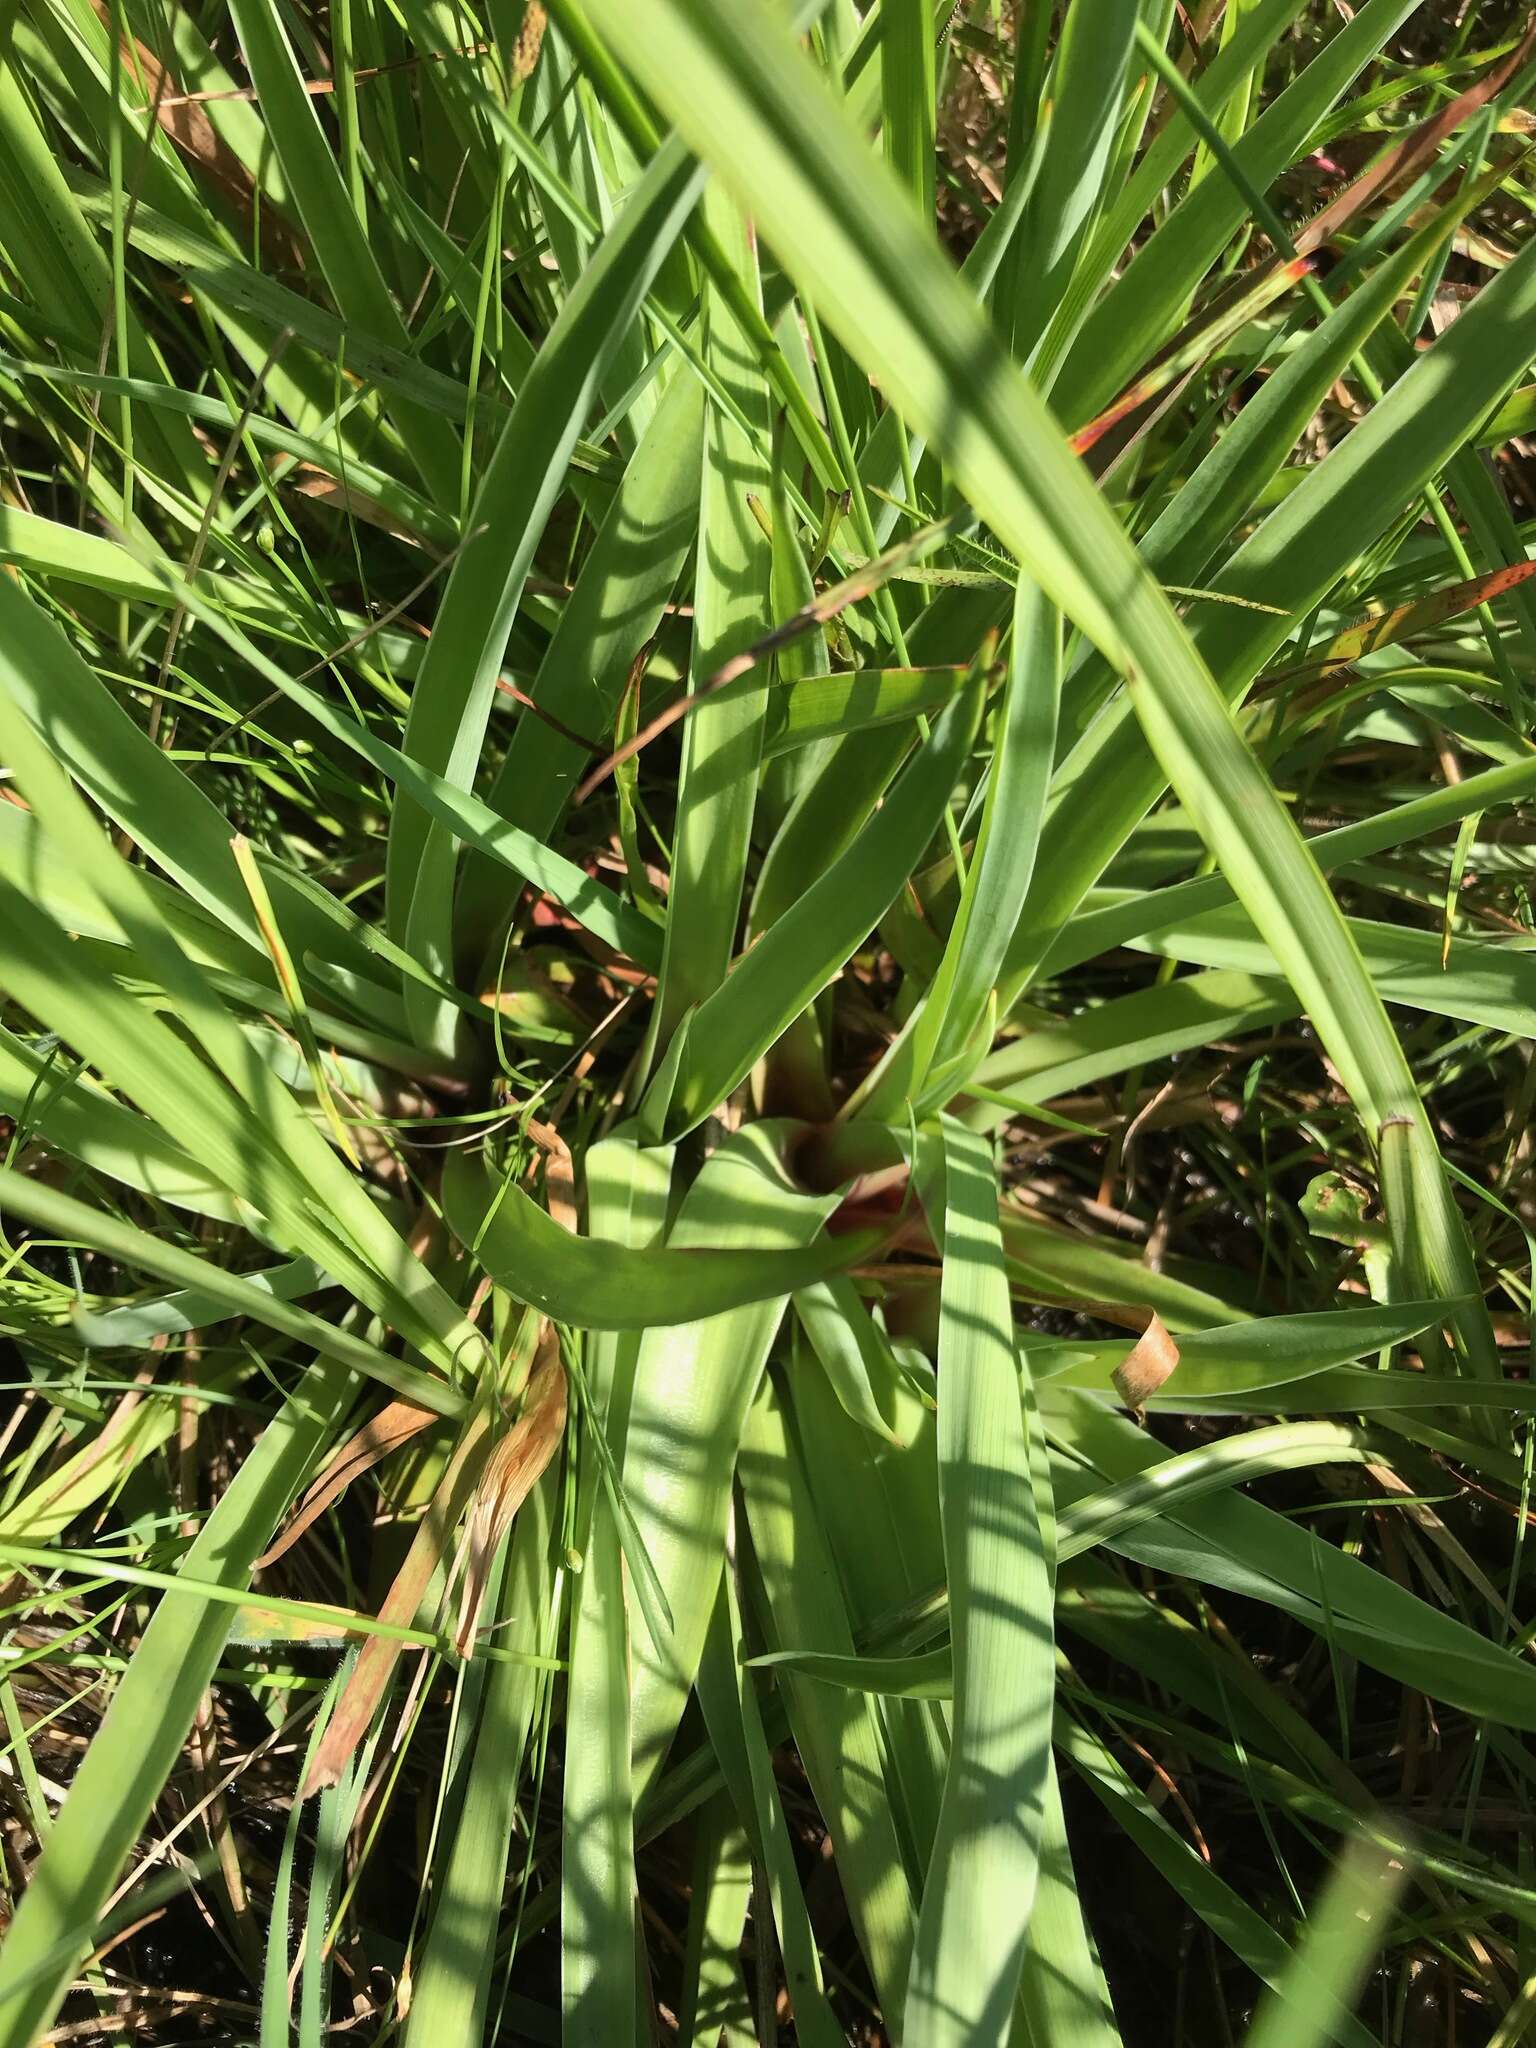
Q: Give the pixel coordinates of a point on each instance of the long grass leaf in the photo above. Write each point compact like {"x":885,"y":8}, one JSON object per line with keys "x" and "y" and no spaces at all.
{"x":330,"y":219}
{"x":722,"y":746}
{"x":151,"y":1712}
{"x":981,"y":1878}
{"x":454,"y":692}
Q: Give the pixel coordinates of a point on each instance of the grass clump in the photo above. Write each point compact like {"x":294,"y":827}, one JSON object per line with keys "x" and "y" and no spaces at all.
{"x":765,"y":1056}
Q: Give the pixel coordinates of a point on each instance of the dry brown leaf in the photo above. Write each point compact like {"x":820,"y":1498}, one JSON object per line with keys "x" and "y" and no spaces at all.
{"x":559,"y":1175}
{"x":379,"y":1655}
{"x":1152,"y":1358}
{"x":314,"y":484}
{"x":381,"y":1434}
{"x":491,"y":1482}
{"x":511,"y":1472}
{"x":189,"y":127}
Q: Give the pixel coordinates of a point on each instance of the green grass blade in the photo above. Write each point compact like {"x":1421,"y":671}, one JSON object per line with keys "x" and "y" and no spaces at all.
{"x":457,"y":811}
{"x":908,"y":84}
{"x":1083,"y":100}
{"x":93,"y":1127}
{"x":853,"y":1354}
{"x":970,"y":1944}
{"x":451,"y":703}
{"x":728,"y":1697}
{"x":825,"y":817}
{"x":1215,"y":85}
{"x":1234,"y":1922}
{"x":1269,"y":1352}
{"x":822,"y":707}
{"x":601,"y":1283}
{"x":188,"y":1309}
{"x":1063,"y":1998}
{"x":714,"y":2010}
{"x":722,"y":745}
{"x":612,"y":611}
{"x":1346,"y":1928}
{"x":49,"y":242}
{"x":693,"y":1390}
{"x":135,"y":783}
{"x":339,"y":237}
{"x":626,"y":1193}
{"x":234,"y":1294}
{"x":1238,"y":1543}
{"x":796,"y":958}
{"x":956,"y":1006}
{"x":452,"y":1993}
{"x":137,"y":1744}
{"x":840,"y":1737}
{"x":254,"y":1159}
{"x":1146,"y":305}
{"x":1132,"y":917}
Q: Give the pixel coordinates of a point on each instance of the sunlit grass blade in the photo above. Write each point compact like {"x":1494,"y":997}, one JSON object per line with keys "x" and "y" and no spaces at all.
{"x":1346,"y":1928}
{"x":331,"y":221}
{"x":722,"y":745}
{"x":1146,"y":304}
{"x":694,"y":1386}
{"x":1085,"y":95}
{"x":811,"y":942}
{"x":615,"y":605}
{"x":852,"y":1774}
{"x":972,"y":1930}
{"x":955,"y":1008}
{"x":729,"y":1701}
{"x":606,"y":1285}
{"x":626,"y":1195}
{"x":451,"y":703}
{"x":457,"y":1966}
{"x":151,"y":1711}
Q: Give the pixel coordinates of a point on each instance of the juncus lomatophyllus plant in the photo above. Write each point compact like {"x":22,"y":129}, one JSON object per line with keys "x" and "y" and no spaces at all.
{"x":765,"y":944}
